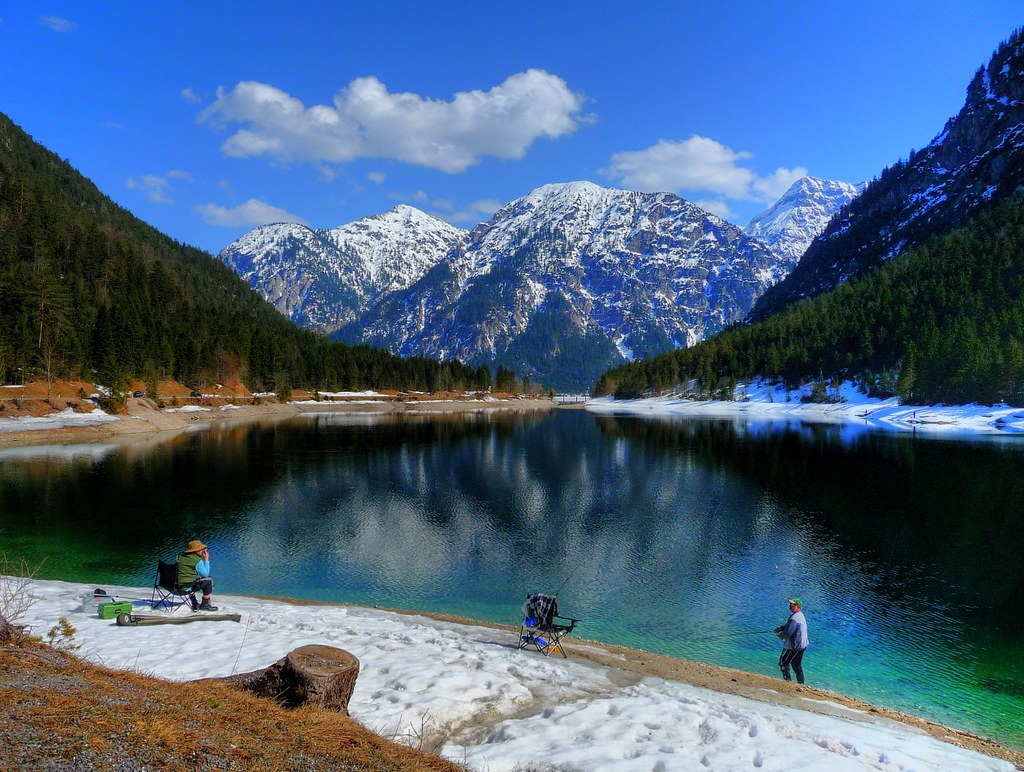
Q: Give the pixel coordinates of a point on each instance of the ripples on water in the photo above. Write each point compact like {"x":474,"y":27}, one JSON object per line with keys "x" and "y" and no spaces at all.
{"x":681,"y":537}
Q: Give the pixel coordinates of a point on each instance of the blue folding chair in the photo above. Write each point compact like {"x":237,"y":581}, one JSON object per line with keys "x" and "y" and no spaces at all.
{"x":539,"y":631}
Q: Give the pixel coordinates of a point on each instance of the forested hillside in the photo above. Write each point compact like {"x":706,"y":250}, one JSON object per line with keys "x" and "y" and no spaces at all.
{"x":940,"y":323}
{"x":89,"y":291}
{"x":975,"y":161}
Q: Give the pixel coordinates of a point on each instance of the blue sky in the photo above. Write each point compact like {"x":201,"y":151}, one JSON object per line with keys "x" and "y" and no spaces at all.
{"x":208,"y":119}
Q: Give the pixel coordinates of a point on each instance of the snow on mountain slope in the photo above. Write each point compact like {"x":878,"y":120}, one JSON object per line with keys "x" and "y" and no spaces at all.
{"x":573,"y":278}
{"x":790,"y":224}
{"x":976,"y":160}
{"x":323,"y":278}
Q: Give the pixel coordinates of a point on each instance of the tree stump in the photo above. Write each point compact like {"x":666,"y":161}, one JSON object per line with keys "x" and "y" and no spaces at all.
{"x":323,"y":676}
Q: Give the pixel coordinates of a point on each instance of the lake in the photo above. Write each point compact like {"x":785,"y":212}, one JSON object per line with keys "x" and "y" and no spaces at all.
{"x":680,"y":536}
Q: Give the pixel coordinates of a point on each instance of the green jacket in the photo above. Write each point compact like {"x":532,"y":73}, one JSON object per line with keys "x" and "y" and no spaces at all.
{"x":187,"y":573}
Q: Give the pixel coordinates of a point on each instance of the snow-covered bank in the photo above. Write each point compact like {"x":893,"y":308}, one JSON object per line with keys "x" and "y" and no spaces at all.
{"x":767,"y":402}
{"x":57,"y":420}
{"x":498,"y":707}
{"x":144,"y":418}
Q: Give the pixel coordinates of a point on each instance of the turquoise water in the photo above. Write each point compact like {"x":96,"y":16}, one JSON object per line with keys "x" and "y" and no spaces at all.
{"x":684,"y":537}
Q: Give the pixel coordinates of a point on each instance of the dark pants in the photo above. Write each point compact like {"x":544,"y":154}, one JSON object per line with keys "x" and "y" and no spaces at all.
{"x":794,"y":657}
{"x":206,"y":585}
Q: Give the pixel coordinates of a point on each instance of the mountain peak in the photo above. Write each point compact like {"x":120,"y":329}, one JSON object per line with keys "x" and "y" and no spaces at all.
{"x":324,"y":278}
{"x":790,"y":224}
{"x":407,"y":213}
{"x":976,"y":160}
{"x":574,"y":277}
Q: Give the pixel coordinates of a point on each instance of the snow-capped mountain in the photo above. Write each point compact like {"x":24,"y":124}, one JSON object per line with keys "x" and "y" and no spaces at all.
{"x":574,"y":278}
{"x":977,"y":159}
{"x":322,"y":279}
{"x":790,"y":224}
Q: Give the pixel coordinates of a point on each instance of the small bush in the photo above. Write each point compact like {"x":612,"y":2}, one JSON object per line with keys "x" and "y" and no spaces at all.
{"x":62,"y":636}
{"x":15,"y":578}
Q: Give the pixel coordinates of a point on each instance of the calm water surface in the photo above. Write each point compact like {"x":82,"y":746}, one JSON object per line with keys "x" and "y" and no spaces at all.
{"x":684,"y":537}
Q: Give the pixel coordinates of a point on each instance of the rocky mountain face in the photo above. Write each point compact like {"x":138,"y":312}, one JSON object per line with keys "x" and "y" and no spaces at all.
{"x":789,"y":225}
{"x":574,"y":278}
{"x":559,"y":286}
{"x":323,"y":279}
{"x":977,"y":159}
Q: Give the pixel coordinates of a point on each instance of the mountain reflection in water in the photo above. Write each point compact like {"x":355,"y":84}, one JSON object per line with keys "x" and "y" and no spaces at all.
{"x":679,"y":536}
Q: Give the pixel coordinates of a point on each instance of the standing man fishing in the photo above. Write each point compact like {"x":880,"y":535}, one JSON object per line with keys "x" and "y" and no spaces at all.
{"x":794,"y":639}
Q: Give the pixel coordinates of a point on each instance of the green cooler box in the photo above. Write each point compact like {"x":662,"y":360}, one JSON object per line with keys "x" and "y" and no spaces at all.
{"x":112,"y":609}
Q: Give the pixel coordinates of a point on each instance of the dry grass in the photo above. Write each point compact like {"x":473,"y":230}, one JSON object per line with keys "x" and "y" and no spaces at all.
{"x":63,"y":713}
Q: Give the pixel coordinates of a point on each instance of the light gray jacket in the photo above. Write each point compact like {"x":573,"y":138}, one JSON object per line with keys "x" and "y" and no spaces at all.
{"x":796,"y":632}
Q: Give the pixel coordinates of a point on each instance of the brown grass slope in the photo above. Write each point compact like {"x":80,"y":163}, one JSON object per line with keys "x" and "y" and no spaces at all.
{"x":62,"y":713}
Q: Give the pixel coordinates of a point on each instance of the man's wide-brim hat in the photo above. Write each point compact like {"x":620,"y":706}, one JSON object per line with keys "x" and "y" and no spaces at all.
{"x":195,"y":545}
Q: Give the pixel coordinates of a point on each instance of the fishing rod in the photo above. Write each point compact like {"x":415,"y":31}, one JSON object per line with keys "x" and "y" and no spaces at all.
{"x":732,"y":635}
{"x":555,"y":593}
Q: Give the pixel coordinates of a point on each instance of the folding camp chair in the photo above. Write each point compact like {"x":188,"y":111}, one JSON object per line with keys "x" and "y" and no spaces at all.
{"x":539,"y":630}
{"x":166,"y":591}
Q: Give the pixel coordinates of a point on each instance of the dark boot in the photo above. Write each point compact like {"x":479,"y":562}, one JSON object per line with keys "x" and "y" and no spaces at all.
{"x":207,"y":606}
{"x":193,"y":603}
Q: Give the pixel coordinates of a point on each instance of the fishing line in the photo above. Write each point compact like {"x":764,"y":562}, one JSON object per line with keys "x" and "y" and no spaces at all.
{"x":555,"y":593}
{"x":239,"y":654}
{"x":732,"y":635}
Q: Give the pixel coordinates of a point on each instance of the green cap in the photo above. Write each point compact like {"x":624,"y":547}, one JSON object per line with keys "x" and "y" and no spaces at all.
{"x":797,"y":602}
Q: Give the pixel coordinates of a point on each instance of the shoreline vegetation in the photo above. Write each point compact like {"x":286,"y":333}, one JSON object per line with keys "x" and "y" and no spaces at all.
{"x":145,"y":421}
{"x":24,"y":410}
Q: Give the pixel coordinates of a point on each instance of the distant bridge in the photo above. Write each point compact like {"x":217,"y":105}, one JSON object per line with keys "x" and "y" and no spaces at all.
{"x":571,"y":399}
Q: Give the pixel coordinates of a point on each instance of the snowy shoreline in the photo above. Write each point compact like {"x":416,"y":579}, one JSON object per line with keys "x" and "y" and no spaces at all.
{"x":494,"y":706}
{"x":754,"y":402}
{"x":145,"y":421}
{"x":763,"y":402}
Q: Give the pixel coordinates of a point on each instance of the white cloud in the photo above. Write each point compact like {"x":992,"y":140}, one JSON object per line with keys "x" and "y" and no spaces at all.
{"x":445,"y":208}
{"x":367,"y":121}
{"x":58,"y":24}
{"x":153,"y":186}
{"x":772,"y":187}
{"x":703,"y":165}
{"x":697,"y":163}
{"x":487,"y":206}
{"x":157,"y":188}
{"x":475,"y":213}
{"x":252,"y":212}
{"x":377,"y":177}
{"x":189,"y":95}
{"x":717,"y":206}
{"x":421,"y":199}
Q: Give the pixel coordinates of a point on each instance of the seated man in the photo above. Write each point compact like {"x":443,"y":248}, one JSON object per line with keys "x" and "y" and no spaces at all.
{"x":194,"y":573}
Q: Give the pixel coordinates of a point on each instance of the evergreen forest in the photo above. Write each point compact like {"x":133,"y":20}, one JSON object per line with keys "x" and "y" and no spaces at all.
{"x":942,"y":323}
{"x":88,"y":291}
